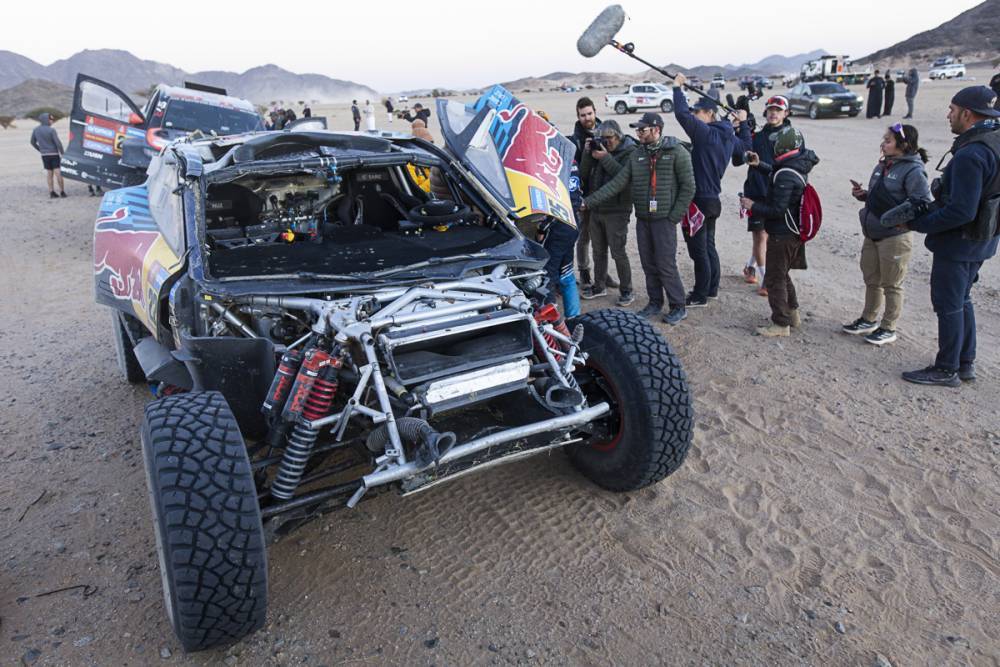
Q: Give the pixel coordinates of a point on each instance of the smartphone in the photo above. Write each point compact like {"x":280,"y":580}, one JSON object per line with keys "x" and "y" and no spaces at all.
{"x":854,"y":183}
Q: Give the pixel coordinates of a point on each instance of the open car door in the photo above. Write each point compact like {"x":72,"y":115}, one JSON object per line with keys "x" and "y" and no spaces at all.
{"x":102,"y":118}
{"x":518,"y":156}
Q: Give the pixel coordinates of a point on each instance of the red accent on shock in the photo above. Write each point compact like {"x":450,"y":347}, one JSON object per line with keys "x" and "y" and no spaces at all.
{"x":314,"y":361}
{"x":281,"y":385}
{"x":321,"y":397}
{"x":549,"y":314}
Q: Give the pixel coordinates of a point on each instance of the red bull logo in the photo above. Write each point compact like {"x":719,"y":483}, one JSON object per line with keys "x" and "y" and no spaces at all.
{"x":532,"y":146}
{"x":120,"y":251}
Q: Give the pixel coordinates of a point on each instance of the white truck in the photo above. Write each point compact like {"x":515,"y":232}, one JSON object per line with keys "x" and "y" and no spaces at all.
{"x":833,"y":68}
{"x":948,"y":71}
{"x":642,"y":96}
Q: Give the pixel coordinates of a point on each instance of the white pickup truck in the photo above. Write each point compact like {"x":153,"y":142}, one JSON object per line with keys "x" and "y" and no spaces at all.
{"x":642,"y":96}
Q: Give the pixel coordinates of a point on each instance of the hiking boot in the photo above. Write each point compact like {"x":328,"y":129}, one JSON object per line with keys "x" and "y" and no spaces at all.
{"x":762,"y":291}
{"x":626,"y":299}
{"x":53,"y":195}
{"x":967,"y":371}
{"x":796,"y":320}
{"x":585,"y":279}
{"x":933,"y":375}
{"x":772,"y":330}
{"x":693,"y":301}
{"x":676,"y":314}
{"x":651,"y":310}
{"x":750,"y":274}
{"x":611,"y":282}
{"x":881,"y":336}
{"x":593,"y":292}
{"x":859,"y":326}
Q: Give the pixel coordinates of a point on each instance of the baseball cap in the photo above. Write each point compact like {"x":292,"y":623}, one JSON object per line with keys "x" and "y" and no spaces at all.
{"x":778,"y":102}
{"x":649,"y":119}
{"x":978,"y":99}
{"x":705,"y":104}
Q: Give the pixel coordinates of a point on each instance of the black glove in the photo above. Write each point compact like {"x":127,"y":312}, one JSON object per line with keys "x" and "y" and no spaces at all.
{"x":936,"y":188}
{"x":906,"y":212}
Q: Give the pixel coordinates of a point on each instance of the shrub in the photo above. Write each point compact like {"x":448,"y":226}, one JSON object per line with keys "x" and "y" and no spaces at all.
{"x":55,"y":113}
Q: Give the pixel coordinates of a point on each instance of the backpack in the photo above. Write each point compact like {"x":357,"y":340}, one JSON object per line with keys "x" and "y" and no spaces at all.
{"x":810,"y":210}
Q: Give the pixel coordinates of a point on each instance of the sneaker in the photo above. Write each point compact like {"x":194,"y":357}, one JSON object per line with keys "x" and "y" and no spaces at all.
{"x":651,"y":310}
{"x":676,"y":314}
{"x":611,"y":282}
{"x":796,"y":320}
{"x":695,"y":302}
{"x":714,"y":297}
{"x":967,"y":371}
{"x":53,"y":195}
{"x":585,"y":279}
{"x":881,"y":336}
{"x":626,"y":299}
{"x":932,"y":375}
{"x":772,"y":330}
{"x":750,"y":274}
{"x":593,"y":292}
{"x":859,"y":326}
{"x":62,"y":195}
{"x":762,"y":291}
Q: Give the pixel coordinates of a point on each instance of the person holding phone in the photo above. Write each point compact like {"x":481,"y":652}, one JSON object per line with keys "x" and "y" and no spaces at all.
{"x":885,"y":253}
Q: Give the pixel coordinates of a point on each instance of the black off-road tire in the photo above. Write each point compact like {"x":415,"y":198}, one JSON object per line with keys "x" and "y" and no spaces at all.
{"x":125,"y":350}
{"x":652,"y":419}
{"x":209,"y":538}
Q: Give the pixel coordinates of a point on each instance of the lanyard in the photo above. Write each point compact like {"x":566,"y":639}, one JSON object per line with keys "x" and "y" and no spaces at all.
{"x":652,"y":175}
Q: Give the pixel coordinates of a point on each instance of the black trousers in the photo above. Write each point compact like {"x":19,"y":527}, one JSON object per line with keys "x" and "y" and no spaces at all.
{"x":702,"y":251}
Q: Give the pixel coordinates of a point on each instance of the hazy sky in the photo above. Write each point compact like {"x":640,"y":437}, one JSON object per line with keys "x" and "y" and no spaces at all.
{"x":459,"y":44}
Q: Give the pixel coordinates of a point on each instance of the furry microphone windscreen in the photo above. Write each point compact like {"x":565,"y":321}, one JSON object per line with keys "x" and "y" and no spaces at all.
{"x":601,"y":31}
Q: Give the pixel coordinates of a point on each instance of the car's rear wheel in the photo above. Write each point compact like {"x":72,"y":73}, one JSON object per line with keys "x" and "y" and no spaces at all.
{"x":813,"y":111}
{"x":128,"y":364}
{"x":620,"y":107}
{"x":648,"y":432}
{"x":209,"y":538}
{"x":667,"y":106}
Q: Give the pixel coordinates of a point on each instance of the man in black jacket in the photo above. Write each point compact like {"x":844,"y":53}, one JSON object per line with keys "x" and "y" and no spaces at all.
{"x":418,"y":112}
{"x":780,"y":213}
{"x":584,"y":130}
{"x":963,"y":231}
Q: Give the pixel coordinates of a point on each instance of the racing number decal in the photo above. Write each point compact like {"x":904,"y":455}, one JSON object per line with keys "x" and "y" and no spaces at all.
{"x":119,"y":138}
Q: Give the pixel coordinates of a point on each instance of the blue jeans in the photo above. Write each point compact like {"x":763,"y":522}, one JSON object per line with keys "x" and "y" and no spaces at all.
{"x":951,"y":284}
{"x":560,"y":241}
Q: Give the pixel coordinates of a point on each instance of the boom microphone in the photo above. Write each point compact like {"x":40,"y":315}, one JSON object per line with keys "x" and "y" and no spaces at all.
{"x":601,"y":31}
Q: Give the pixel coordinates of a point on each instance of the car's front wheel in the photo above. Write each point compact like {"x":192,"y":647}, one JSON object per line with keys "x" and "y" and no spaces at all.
{"x":667,"y":106}
{"x":813,"y":111}
{"x":647,"y":434}
{"x":209,"y":537}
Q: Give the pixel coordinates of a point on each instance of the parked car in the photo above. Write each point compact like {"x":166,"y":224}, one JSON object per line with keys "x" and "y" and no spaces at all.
{"x":111,"y":140}
{"x":824,"y":98}
{"x":642,"y":96}
{"x":942,"y":61}
{"x":718,"y":81}
{"x":696,"y":83}
{"x":318,"y":328}
{"x":951,"y":71}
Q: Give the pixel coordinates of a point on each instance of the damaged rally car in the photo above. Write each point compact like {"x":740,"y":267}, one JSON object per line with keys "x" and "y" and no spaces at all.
{"x":325,"y":316}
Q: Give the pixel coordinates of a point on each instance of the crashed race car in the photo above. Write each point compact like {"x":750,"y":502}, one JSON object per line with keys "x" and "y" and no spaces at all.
{"x":320,"y":323}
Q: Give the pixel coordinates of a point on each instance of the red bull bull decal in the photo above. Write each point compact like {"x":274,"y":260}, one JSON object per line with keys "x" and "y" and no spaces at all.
{"x":123,"y":235}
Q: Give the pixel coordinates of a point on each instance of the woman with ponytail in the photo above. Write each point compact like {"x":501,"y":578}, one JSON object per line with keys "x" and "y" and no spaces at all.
{"x":885,"y":254}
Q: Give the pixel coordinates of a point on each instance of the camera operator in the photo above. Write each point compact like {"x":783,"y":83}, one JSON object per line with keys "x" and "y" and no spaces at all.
{"x":661,"y":180}
{"x":608,"y":153}
{"x":584,"y":130}
{"x":712,"y":142}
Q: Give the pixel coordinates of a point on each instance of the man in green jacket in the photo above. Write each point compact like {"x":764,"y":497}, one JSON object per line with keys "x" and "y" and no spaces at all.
{"x":661,"y":180}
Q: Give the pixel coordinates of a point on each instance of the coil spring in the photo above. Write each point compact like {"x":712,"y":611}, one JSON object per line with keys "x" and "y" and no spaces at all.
{"x":303,"y":437}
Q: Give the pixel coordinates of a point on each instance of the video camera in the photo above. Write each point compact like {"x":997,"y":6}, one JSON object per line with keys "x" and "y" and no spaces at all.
{"x":743,"y":103}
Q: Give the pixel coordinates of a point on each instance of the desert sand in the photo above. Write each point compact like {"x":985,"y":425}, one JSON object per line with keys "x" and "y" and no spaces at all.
{"x":828,"y":513}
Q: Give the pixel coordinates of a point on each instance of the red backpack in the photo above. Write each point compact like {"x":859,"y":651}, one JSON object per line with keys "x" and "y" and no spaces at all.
{"x":810,"y":210}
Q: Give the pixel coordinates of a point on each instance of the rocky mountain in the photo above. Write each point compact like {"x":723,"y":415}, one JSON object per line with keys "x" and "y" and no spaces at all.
{"x":35,"y":93}
{"x":973,"y":35}
{"x":131,"y":74}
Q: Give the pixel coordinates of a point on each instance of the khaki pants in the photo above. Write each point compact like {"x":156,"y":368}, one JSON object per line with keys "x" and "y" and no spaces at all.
{"x":884,"y":264}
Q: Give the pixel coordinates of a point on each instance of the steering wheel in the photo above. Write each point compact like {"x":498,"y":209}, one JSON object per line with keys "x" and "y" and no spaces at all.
{"x":438,"y":213}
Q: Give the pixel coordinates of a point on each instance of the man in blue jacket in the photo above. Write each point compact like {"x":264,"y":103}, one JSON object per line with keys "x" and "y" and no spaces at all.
{"x":712,"y":143}
{"x":962,"y":232}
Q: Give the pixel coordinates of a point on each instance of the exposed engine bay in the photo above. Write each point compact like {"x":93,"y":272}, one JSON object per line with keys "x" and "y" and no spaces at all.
{"x":333,"y":222}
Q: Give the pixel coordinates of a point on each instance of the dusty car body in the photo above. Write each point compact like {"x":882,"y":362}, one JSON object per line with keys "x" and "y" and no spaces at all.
{"x":320,"y":325}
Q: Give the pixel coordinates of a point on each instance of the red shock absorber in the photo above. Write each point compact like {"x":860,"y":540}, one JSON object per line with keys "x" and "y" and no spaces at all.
{"x":281,"y":386}
{"x":549,"y":314}
{"x":324,"y":388}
